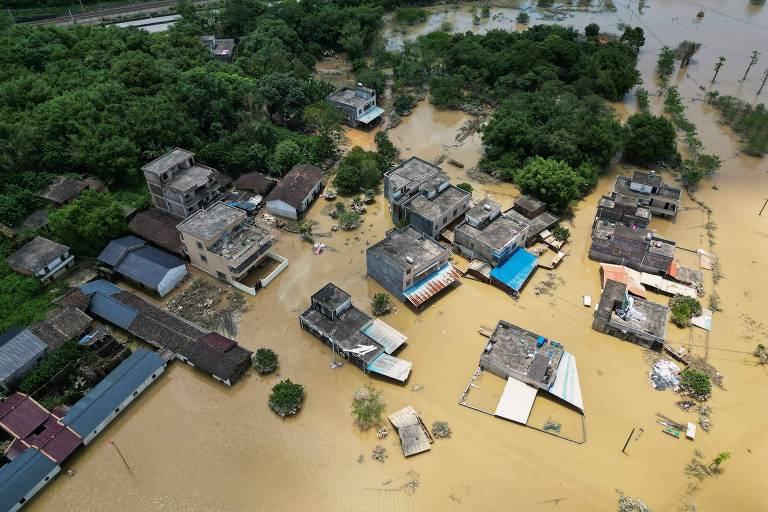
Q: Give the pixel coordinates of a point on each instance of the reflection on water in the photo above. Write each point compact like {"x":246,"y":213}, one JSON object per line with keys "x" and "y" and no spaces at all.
{"x":194,"y":444}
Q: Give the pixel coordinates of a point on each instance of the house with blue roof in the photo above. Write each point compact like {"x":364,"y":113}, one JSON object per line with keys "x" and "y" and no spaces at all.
{"x":147,"y":266}
{"x":92,"y":413}
{"x":22,"y":478}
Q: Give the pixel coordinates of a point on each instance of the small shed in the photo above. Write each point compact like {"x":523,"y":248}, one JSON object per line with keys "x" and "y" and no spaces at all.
{"x":147,"y":266}
{"x":41,"y":258}
{"x":20,"y":349}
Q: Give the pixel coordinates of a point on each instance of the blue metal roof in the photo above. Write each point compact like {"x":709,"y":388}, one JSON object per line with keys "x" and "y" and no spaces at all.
{"x":20,"y":477}
{"x":101,"y":286}
{"x":117,"y":249}
{"x":111,"y":310}
{"x":370,"y":115}
{"x":515,"y":270}
{"x":101,"y":401}
{"x":148,"y":265}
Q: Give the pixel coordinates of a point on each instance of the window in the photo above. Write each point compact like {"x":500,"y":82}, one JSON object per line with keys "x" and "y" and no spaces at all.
{"x":202,"y":257}
{"x":455,"y":212}
{"x":221,"y":275}
{"x":117,"y":410}
{"x":135,"y":393}
{"x":199,"y":245}
{"x":408,"y":271}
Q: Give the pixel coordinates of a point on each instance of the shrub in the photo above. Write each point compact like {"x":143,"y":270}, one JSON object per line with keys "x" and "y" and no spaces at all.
{"x":358,"y":170}
{"x":265,"y":361}
{"x":404,"y":104}
{"x":552,"y":181}
{"x":50,"y":365}
{"x":695,"y":383}
{"x":465,"y":186}
{"x":89,"y":223}
{"x":287,"y":398}
{"x":349,"y":220}
{"x":522,"y":18}
{"x":441,"y":430}
{"x":411,"y":15}
{"x":761,"y":353}
{"x":592,"y":30}
{"x":367,"y":406}
{"x":683,"y":309}
{"x":381,"y":304}
{"x":561,"y":233}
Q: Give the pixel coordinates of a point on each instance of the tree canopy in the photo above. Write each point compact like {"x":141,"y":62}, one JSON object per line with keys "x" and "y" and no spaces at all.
{"x":88,"y":224}
{"x":650,"y":141}
{"x":552,"y":181}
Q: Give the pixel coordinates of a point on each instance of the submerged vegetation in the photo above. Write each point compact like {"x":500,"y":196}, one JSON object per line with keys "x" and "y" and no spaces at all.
{"x":287,"y":398}
{"x":683,"y":309}
{"x":265,"y":361}
{"x":367,"y":406}
{"x":750,"y":122}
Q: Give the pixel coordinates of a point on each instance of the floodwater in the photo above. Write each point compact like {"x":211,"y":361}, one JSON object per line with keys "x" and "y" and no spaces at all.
{"x":193,"y":444}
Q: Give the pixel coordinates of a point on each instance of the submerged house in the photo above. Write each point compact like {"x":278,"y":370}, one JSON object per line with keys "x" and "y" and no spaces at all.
{"x":623,"y":209}
{"x":650,"y":189}
{"x":149,"y":267}
{"x":224,"y":243}
{"x":220,"y":357}
{"x":20,"y":350}
{"x":179,"y":186}
{"x":489,"y":235}
{"x":530,"y":364}
{"x":531,"y":211}
{"x":41,"y":258}
{"x":629,"y":318}
{"x":295,"y":191}
{"x":367,"y":343}
{"x":411,"y":266}
{"x":358,"y":105}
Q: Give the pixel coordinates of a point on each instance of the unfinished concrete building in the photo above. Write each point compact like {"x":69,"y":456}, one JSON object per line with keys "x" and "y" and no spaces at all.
{"x":365,"y":342}
{"x":650,"y":188}
{"x":179,"y":186}
{"x":629,"y":318}
{"x":358,"y":105}
{"x":411,"y":265}
{"x":529,"y":210}
{"x":223,"y":242}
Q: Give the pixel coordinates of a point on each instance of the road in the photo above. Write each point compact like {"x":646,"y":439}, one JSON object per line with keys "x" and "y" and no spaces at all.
{"x":106,"y":14}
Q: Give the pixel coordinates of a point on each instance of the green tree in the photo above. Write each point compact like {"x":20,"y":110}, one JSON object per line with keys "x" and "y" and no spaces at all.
{"x":721,"y":457}
{"x":51,"y":364}
{"x":753,"y":59}
{"x":695,"y":383}
{"x":592,"y":30}
{"x":634,"y":37}
{"x":367,"y":406}
{"x":404,"y":104}
{"x":381,"y":304}
{"x":349,"y":220}
{"x":286,"y":398}
{"x":388,"y":152}
{"x":89,"y":223}
{"x":552,"y":181}
{"x":683,"y":309}
{"x":411,"y":15}
{"x":561,"y":233}
{"x":265,"y":361}
{"x":358,"y":170}
{"x":650,"y":141}
{"x":465,"y":186}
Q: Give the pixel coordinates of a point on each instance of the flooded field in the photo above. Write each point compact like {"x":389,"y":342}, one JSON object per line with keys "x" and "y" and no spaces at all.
{"x":195,"y":445}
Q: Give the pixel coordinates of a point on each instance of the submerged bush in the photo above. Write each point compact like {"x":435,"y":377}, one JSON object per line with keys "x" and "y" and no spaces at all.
{"x":265,"y":361}
{"x":683,"y":309}
{"x":287,"y":398}
{"x":381,"y":304}
{"x":695,"y":383}
{"x":367,"y":406}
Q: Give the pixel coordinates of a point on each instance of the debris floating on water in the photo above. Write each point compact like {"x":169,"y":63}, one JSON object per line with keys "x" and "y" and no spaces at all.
{"x":382,"y":433}
{"x":441,"y":430}
{"x":664,"y":374}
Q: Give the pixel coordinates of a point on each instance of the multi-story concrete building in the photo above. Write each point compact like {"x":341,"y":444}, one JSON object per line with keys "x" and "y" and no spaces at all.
{"x":223,"y":242}
{"x":421,"y":194}
{"x":179,"y":186}
{"x":488,"y":234}
{"x":411,"y":265}
{"x":650,"y":188}
{"x":358,"y":105}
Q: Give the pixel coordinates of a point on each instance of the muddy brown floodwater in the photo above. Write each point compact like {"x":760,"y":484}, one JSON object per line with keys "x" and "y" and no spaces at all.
{"x":193,"y":444}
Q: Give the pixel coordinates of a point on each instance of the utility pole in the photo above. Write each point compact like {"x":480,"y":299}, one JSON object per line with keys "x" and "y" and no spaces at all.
{"x":82,"y":9}
{"x":718,"y":65}
{"x":752,"y":61}
{"x":765,"y":77}
{"x":11,"y":15}
{"x":71,"y":17}
{"x":120,"y":454}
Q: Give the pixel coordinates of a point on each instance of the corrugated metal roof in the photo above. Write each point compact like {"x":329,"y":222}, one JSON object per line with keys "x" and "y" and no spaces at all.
{"x":116,"y":250}
{"x":112,"y":311}
{"x":433,"y":284}
{"x":566,"y":385}
{"x":385,"y":335}
{"x":21,"y":415}
{"x":21,"y":476}
{"x":514,"y":272}
{"x":390,"y":366}
{"x":107,"y":395}
{"x":101,"y":286}
{"x":148,"y":265}
{"x":18,"y":351}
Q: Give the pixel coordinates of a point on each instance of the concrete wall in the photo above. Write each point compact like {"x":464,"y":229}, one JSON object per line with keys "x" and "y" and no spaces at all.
{"x":386,"y":274}
{"x":171,"y":280}
{"x":283,"y":209}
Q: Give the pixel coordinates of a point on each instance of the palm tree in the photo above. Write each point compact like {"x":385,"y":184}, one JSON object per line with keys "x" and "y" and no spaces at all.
{"x":718,"y":65}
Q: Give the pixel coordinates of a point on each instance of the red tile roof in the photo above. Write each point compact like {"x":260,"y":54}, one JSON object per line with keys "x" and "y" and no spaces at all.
{"x":21,"y":415}
{"x":218,"y":341}
{"x":57,"y":441}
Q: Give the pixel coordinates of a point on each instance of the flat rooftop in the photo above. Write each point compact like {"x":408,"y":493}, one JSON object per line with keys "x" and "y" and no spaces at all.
{"x":483,"y":210}
{"x":644,"y":316}
{"x":529,"y":203}
{"x":345,"y":331}
{"x":161,"y":164}
{"x":331,"y":296}
{"x":516,"y":352}
{"x":408,"y":243}
{"x":622,"y":186}
{"x":189,"y":179}
{"x":414,"y":171}
{"x":436,"y":207}
{"x":241,"y":239}
{"x":498,"y":233}
{"x":537,"y":224}
{"x":36,"y":254}
{"x":207,"y":224}
{"x":350,"y":96}
{"x":647,"y":178}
